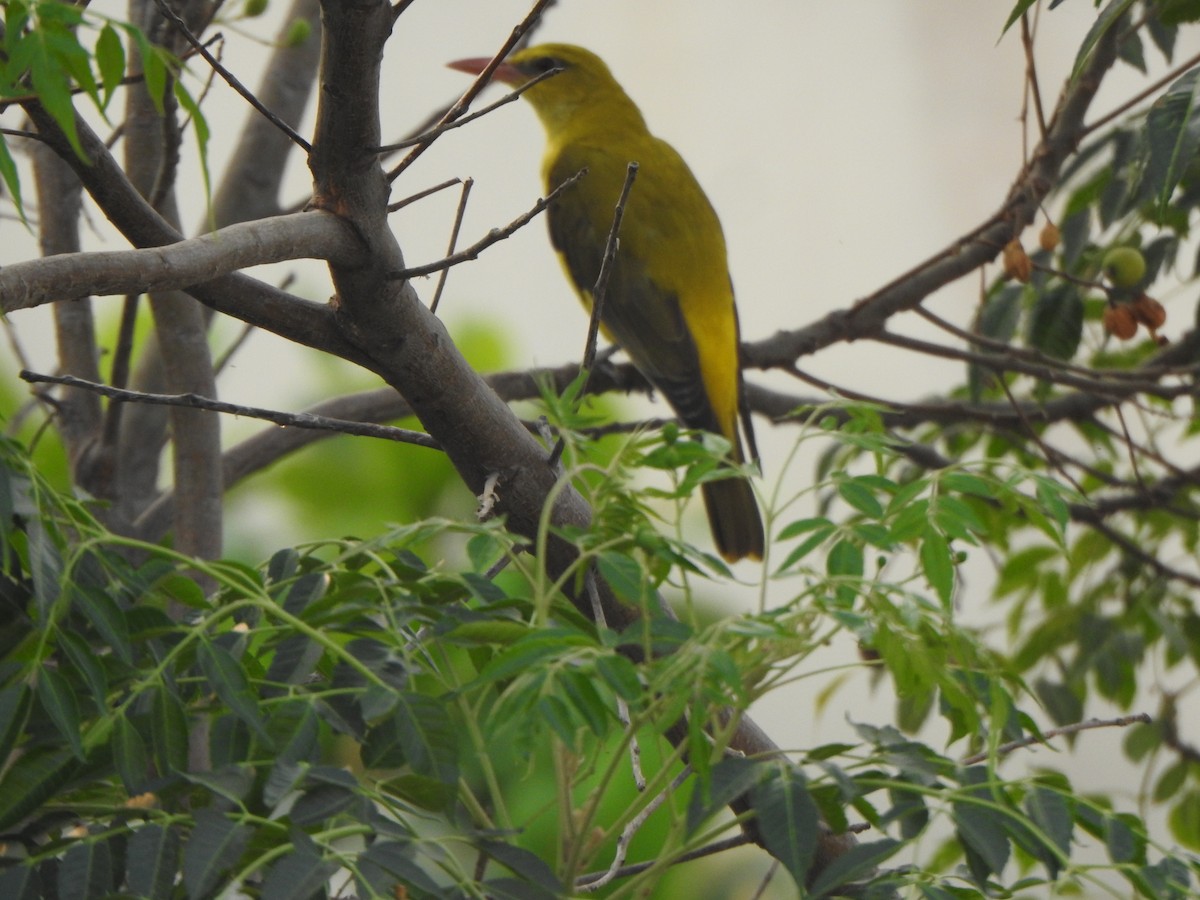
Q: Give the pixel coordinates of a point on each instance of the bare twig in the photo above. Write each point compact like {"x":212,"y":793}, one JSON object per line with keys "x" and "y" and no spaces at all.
{"x":712,"y":849}
{"x":1074,"y":728}
{"x":421,"y":195}
{"x":1031,"y":79}
{"x":443,"y":126}
{"x":590,"y":883}
{"x":492,"y":237}
{"x":230,"y":79}
{"x":458,"y":218}
{"x":193,"y":401}
{"x":599,"y":290}
{"x":463,"y":103}
{"x":1137,"y":98}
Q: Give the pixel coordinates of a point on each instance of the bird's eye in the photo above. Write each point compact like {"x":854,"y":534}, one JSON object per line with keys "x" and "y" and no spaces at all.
{"x":544,"y":64}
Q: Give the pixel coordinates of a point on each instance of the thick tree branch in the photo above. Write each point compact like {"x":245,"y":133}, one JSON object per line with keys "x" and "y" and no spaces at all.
{"x":245,"y":298}
{"x":59,"y":203}
{"x":178,"y":358}
{"x":178,"y":266}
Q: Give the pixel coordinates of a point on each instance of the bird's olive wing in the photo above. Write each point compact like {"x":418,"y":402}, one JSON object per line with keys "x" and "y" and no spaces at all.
{"x":643,"y":319}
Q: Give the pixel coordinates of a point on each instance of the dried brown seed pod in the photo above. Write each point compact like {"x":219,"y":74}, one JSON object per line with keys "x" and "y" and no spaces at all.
{"x":1148,"y":311}
{"x":1050,"y":237}
{"x":1016,"y":261}
{"x":1120,"y":322}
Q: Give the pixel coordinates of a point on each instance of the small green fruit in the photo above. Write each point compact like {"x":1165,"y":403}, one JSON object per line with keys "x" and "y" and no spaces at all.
{"x":1124,"y":266}
{"x":298,"y":33}
{"x":254,"y":8}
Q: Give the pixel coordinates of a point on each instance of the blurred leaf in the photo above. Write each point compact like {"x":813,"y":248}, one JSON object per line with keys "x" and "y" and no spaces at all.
{"x":621,"y":676}
{"x":129,"y":755}
{"x":321,"y":803}
{"x":1171,"y":781}
{"x":1177,"y":12}
{"x":153,"y":861}
{"x":937,"y":563}
{"x":586,"y":701}
{"x":1107,"y":19}
{"x":108,"y":620}
{"x":88,"y":665}
{"x":428,"y":737}
{"x":529,"y":651}
{"x":845,"y":559}
{"x":213,"y":848}
{"x":45,"y":567}
{"x":1050,"y":812}
{"x":1056,"y":321}
{"x":233,"y":782}
{"x":58,"y":700}
{"x":22,"y":883}
{"x":787,"y":819}
{"x":860,"y":497}
{"x":86,"y":871}
{"x":909,"y":811}
{"x":857,"y":862}
{"x":388,"y":864}
{"x":32,"y":780}
{"x":979,"y":828}
{"x":730,"y":778}
{"x":12,"y":181}
{"x":168,"y":732}
{"x":226,"y":676}
{"x":1173,"y":135}
{"x":1015,"y":16}
{"x":307,"y":589}
{"x":821,"y":529}
{"x":16,"y":700}
{"x":623,"y":575}
{"x":294,"y":659}
{"x":528,"y":866}
{"x":1124,"y":844}
{"x":300,"y":873}
{"x":1184,"y":819}
{"x":110,"y":60}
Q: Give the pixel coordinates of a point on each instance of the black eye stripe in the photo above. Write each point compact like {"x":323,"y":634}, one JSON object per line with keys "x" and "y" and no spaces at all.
{"x":544,"y":64}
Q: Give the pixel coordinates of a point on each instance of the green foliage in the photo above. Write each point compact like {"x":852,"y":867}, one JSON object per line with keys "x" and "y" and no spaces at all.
{"x":351,"y":718}
{"x":370,"y":721}
{"x":47,"y":56}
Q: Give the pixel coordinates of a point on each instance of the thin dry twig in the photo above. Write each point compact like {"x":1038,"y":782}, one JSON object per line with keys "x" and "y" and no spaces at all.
{"x":1137,"y":98}
{"x":1074,"y":728}
{"x":599,"y":290}
{"x":454,"y":231}
{"x":583,"y":883}
{"x":421,"y":195}
{"x":1031,"y":79}
{"x":492,"y":237}
{"x":461,"y":105}
{"x":594,"y":883}
{"x":195,"y":401}
{"x":429,"y":134}
{"x":245,"y":93}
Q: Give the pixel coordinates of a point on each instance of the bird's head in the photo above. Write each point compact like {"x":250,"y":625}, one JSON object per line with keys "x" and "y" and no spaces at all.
{"x":581,"y":81}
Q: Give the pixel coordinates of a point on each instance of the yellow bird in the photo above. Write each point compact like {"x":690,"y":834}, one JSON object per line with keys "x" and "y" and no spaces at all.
{"x":669,"y":302}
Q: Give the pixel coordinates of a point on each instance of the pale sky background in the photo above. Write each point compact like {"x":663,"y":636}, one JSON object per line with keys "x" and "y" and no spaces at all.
{"x":840,"y":142}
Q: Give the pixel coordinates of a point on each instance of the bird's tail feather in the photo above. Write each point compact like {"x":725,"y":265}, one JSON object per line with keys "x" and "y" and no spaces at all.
{"x":733,"y":515}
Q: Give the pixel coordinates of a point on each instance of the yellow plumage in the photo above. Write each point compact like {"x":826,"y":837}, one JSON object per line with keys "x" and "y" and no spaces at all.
{"x":669,"y":302}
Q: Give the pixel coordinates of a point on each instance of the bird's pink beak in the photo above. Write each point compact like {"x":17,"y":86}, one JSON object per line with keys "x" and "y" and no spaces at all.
{"x":508,"y":74}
